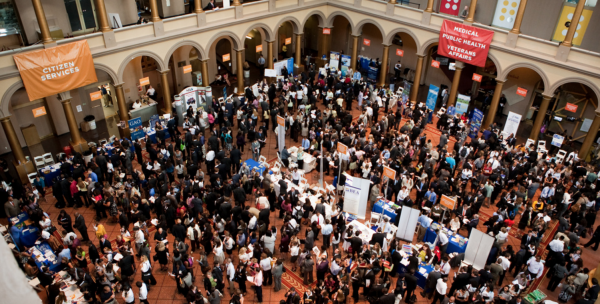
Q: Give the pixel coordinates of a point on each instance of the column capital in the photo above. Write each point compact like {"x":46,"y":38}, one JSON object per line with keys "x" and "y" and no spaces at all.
{"x":547,"y":97}
{"x":164,"y":71}
{"x":65,"y":96}
{"x":500,"y":80}
{"x":239,"y":50}
{"x":5,"y":118}
{"x":119,"y":85}
{"x":459,"y":65}
{"x":386,"y":45}
{"x":299,"y":33}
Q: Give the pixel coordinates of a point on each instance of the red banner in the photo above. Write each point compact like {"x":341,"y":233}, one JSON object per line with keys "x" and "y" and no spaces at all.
{"x":465,"y":43}
{"x":399,"y":52}
{"x":435,"y":64}
{"x":571,"y":107}
{"x":367,"y":42}
{"x":450,"y":7}
{"x":521,"y":92}
{"x":477,"y":77}
{"x":326,"y":31}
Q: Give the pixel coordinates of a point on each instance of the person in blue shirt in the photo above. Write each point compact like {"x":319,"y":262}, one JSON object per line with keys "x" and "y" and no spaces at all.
{"x":93,"y":176}
{"x":305,"y":144}
{"x":424,"y":223}
{"x":65,"y":253}
{"x":357,"y":76}
{"x":450,"y":160}
{"x":431,"y":198}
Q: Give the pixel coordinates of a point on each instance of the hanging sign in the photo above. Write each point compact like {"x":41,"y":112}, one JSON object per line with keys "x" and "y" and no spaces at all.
{"x":187,"y":69}
{"x":435,"y":64}
{"x":521,"y":92}
{"x":389,"y":172}
{"x":450,"y":7}
{"x":259,"y":48}
{"x":466,"y":43}
{"x":37,"y":112}
{"x":447,"y":202}
{"x":226,"y":57}
{"x":280,"y":121}
{"x":96,"y":95}
{"x":342,"y":148}
{"x":367,"y":42}
{"x":477,"y":77}
{"x":326,"y":31}
{"x":571,"y":107}
{"x":399,"y":52}
{"x":288,"y":41}
{"x":57,"y":69}
{"x":145,"y":81}
{"x":557,"y":140}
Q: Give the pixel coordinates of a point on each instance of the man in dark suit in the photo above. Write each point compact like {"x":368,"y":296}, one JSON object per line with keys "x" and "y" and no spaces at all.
{"x":411,"y":284}
{"x":472,"y":224}
{"x":591,"y":293}
{"x":378,"y":237}
{"x":356,"y":242}
{"x":527,"y":239}
{"x":178,"y":230}
{"x":81,"y":227}
{"x":387,"y":298}
{"x":431,"y":282}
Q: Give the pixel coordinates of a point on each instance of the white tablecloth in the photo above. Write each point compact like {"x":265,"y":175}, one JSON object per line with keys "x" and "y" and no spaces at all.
{"x":310,"y":162}
{"x":366,"y":232}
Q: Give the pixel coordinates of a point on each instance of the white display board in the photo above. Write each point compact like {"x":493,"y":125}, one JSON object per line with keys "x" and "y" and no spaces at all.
{"x":512,"y":123}
{"x":407,"y":225}
{"x":356,"y":195}
{"x":478,"y":248}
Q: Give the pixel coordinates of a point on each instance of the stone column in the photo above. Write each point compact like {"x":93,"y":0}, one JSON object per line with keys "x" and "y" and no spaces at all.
{"x":471,"y":15}
{"x":384,"y":66}
{"x":198,"y":7}
{"x":200,"y":15}
{"x":204,"y":70}
{"x":491,"y":114}
{"x":429,"y":8}
{"x":414,"y":90}
{"x":236,"y":3}
{"x":539,"y":119}
{"x":568,"y":42}
{"x":240,"y":71}
{"x":324,"y":42}
{"x":77,"y":142}
{"x":589,"y":138}
{"x":270,"y":54}
{"x":455,"y":81}
{"x":519,"y":18}
{"x":298,"y":58}
{"x":123,"y":112}
{"x":102,"y":16}
{"x":164,"y":80}
{"x":41,"y":19}
{"x":154,"y":11}
{"x":23,"y":166}
{"x":354,"y":53}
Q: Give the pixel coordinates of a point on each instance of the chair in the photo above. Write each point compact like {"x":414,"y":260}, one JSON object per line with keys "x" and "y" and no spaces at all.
{"x":48,"y":160}
{"x":31,"y":177}
{"x":103,"y":142}
{"x":330,"y":188}
{"x":529,"y":143}
{"x":560,"y":156}
{"x":276,"y":168}
{"x":375,"y":218}
{"x":59,"y":156}
{"x":303,"y":182}
{"x":112,"y":138}
{"x":441,"y":112}
{"x":39,"y":162}
{"x":541,"y":145}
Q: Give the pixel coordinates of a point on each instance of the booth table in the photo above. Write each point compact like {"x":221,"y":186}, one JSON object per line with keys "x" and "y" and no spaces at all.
{"x":152,"y":134}
{"x":310,"y":162}
{"x":385,"y":207}
{"x":43,"y":255}
{"x":29,"y":233}
{"x":453,"y":241}
{"x":145,"y":111}
{"x":252,"y":164}
{"x":289,"y":183}
{"x":422,"y":273}
{"x":49,"y":177}
{"x":366,"y":232}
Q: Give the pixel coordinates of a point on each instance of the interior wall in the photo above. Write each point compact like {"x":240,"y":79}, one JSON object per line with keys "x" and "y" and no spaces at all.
{"x":285,"y":31}
{"x":22,"y":116}
{"x":311,"y":34}
{"x":524,"y":78}
{"x":375,"y":50}
{"x":541,"y":25}
{"x":409,"y":60}
{"x":250,"y":46}
{"x":341,"y":36}
{"x":127,"y":10}
{"x":56,"y":15}
{"x":434,"y":76}
{"x":212,"y":54}
{"x":131,"y":78}
{"x":590,"y":40}
{"x":182,"y":80}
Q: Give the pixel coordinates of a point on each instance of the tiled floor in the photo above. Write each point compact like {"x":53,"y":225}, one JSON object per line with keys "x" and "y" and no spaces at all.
{"x":166,"y":292}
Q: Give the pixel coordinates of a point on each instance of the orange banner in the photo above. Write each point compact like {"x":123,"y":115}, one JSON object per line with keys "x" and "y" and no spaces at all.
{"x":522,"y":92}
{"x":288,"y":41}
{"x":96,"y":95}
{"x":342,"y":148}
{"x":187,"y":69}
{"x":435,"y":64}
{"x":280,"y":121}
{"x":367,"y":42}
{"x":477,"y":77}
{"x":571,"y":107}
{"x":55,"y":70}
{"x":399,"y":52}
{"x":447,"y":202}
{"x":259,"y":48}
{"x":389,"y":172}
{"x":37,"y":112}
{"x":226,"y":57}
{"x":145,"y":81}
{"x":326,"y":31}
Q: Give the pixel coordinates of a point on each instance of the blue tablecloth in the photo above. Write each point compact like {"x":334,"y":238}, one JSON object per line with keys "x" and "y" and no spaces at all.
{"x":55,"y":265}
{"x":252,"y":164}
{"x":385,"y":207}
{"x":28,"y":233}
{"x":152,"y":135}
{"x":453,"y":246}
{"x":421,"y":278}
{"x":49,"y":177}
{"x":109,"y":148}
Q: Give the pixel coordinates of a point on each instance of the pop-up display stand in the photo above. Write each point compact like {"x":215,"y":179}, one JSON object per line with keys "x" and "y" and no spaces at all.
{"x":356,"y":195}
{"x":478,"y":249}
{"x":407,"y":224}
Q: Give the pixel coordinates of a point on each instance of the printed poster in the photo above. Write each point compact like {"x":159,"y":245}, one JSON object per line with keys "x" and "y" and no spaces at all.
{"x":557,"y":140}
{"x":462,"y":103}
{"x":135,"y":127}
{"x":189,"y":97}
{"x":432,"y":97}
{"x":512,"y":123}
{"x":476,"y":122}
{"x":346,"y":61}
{"x":334,"y":61}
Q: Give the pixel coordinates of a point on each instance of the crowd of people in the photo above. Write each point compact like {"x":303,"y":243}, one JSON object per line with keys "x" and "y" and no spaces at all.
{"x":186,"y":207}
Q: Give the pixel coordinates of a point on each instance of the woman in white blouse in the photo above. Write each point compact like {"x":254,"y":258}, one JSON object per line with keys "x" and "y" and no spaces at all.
{"x":366,"y":167}
{"x":455,"y":224}
{"x":502,"y":236}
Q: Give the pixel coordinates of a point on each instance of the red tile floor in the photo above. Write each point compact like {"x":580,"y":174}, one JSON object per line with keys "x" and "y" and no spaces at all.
{"x":166,"y":291}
